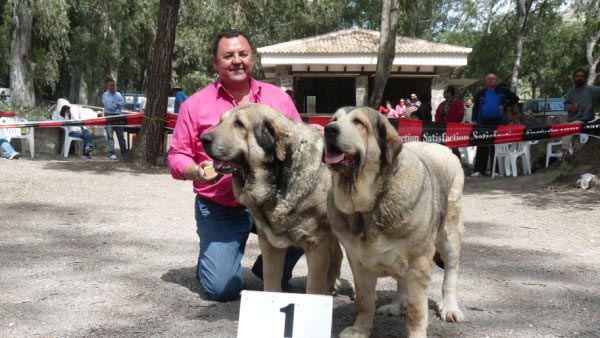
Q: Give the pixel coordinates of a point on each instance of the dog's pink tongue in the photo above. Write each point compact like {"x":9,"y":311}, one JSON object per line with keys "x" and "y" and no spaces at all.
{"x":334,"y":158}
{"x":218,"y":165}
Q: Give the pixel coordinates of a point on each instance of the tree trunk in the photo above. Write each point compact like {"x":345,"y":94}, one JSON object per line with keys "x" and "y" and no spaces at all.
{"x":147,"y":147}
{"x":78,"y":88}
{"x":523,"y":8}
{"x":21,"y":84}
{"x":387,"y":50}
{"x":592,"y":61}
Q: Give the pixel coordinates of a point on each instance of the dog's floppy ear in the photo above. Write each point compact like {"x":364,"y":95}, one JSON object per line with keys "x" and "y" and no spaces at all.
{"x":265,"y":139}
{"x":273,"y":136}
{"x":283,"y":138}
{"x":388,"y":139}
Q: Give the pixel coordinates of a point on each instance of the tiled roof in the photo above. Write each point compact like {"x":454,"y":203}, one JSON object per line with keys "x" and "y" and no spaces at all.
{"x":358,"y":41}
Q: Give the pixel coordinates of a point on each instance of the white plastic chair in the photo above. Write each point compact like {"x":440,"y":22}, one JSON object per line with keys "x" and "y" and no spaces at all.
{"x":467,"y":155}
{"x":17,"y":133}
{"x":502,"y":157}
{"x":527,"y":150}
{"x":550,"y":153}
{"x":511,"y":152}
{"x":77,"y":113}
{"x":583,"y":138}
{"x":67,"y":142}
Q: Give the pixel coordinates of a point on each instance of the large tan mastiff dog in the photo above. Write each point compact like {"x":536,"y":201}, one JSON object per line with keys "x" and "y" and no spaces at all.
{"x":393,"y":206}
{"x":279,"y":176}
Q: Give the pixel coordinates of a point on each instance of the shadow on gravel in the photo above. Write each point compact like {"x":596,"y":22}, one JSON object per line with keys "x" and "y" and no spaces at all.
{"x":537,"y":191}
{"x":105,"y":166}
{"x":383,"y":325}
{"x":185,"y":277}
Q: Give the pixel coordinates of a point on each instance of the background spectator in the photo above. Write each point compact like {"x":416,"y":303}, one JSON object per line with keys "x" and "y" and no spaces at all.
{"x":450,"y":110}
{"x":468,"y":111}
{"x":180,"y":97}
{"x":78,"y":132}
{"x":489,"y":109}
{"x":581,"y":103}
{"x":400,"y":108}
{"x":113,"y":103}
{"x":8,"y":151}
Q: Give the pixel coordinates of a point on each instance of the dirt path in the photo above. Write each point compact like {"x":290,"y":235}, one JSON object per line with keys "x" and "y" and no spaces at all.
{"x":95,"y":248}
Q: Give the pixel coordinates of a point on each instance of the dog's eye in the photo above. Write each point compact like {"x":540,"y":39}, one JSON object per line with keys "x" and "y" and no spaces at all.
{"x":238,"y":124}
{"x":358,"y":122}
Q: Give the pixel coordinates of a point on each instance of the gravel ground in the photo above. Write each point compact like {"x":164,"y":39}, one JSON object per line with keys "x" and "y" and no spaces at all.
{"x":98,"y":248}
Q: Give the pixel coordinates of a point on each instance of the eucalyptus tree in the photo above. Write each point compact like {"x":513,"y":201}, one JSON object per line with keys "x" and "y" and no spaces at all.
{"x":523,"y":9}
{"x":387,"y":49}
{"x":146,"y":150}
{"x":109,"y":39}
{"x":590,"y":11}
{"x":39,"y":40}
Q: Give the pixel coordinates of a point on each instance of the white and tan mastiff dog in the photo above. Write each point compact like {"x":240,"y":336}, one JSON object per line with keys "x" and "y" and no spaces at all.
{"x":279,"y":176}
{"x":393,"y":206}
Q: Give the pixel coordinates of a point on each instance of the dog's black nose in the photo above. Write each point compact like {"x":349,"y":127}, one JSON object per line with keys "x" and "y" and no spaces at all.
{"x":206,"y":139}
{"x":332,"y":130}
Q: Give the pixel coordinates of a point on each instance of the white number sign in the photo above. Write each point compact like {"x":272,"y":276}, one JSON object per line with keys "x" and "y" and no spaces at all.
{"x":284,"y":315}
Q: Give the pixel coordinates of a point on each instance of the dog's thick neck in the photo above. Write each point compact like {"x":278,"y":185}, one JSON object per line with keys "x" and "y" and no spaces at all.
{"x":358,"y":192}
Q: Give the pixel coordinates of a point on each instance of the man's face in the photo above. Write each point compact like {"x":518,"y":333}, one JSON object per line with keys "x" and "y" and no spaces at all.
{"x":111,"y":87}
{"x":490,"y":80}
{"x":413,"y":97}
{"x":469,"y":102}
{"x":447,"y":95}
{"x":233,"y":61}
{"x":579,"y":79}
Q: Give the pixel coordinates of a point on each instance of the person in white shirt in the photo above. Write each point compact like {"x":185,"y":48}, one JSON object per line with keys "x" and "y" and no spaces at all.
{"x":79,"y":132}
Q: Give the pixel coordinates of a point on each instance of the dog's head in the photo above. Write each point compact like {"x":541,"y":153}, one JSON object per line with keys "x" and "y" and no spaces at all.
{"x":360,"y":137}
{"x":247,"y":137}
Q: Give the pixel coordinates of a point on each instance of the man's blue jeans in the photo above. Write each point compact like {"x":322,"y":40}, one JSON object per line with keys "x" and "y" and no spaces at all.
{"x":111,"y":141}
{"x":85,"y":135}
{"x":7,"y":149}
{"x":223,"y":234}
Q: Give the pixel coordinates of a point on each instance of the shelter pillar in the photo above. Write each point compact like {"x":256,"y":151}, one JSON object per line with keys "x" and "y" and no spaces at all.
{"x":362,"y":90}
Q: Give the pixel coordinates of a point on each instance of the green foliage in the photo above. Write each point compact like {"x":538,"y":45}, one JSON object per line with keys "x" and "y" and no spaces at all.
{"x":97,"y":38}
{"x":266,"y":22}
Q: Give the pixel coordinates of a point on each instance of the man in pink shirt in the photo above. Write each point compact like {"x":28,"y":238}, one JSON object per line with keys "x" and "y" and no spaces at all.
{"x":223,"y":224}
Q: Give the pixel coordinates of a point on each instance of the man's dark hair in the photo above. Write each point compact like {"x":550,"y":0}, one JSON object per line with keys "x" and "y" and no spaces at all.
{"x":580,"y":70}
{"x":110,"y":80}
{"x":451,"y":90}
{"x":227,"y":33}
{"x":63,"y":110}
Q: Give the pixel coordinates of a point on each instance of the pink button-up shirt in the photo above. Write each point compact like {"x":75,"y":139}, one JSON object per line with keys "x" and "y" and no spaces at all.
{"x":202,"y":111}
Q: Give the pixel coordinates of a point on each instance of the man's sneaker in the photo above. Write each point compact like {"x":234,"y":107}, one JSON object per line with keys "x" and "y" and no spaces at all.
{"x":14,"y":156}
{"x":113,"y":157}
{"x":88,"y":150}
{"x":476,"y":174}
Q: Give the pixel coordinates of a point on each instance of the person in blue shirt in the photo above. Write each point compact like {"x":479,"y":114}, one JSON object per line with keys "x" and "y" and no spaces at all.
{"x":113,"y":103}
{"x":180,"y":97}
{"x":489,"y":109}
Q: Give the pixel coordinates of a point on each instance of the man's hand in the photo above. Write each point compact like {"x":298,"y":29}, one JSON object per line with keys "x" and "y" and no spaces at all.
{"x":574,"y":107}
{"x":204,"y":172}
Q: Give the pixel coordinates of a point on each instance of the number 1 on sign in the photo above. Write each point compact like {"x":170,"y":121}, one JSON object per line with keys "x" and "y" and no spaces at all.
{"x":288,"y":329}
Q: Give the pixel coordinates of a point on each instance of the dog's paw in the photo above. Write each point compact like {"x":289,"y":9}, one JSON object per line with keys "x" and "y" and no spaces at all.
{"x":450,"y":313}
{"x":354,"y":332}
{"x":393,"y":309}
{"x":336,"y":287}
